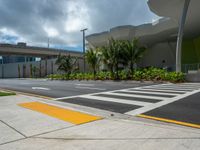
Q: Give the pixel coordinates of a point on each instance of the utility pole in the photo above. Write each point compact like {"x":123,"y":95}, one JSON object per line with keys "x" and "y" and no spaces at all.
{"x":2,"y":67}
{"x":180,"y":35}
{"x":48,"y":43}
{"x":83,"y":30}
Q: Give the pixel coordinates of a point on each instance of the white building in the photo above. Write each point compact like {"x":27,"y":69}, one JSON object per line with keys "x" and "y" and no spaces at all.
{"x":161,"y":36}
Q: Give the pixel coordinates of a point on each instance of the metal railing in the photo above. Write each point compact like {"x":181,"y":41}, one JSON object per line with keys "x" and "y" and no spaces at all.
{"x":186,"y":68}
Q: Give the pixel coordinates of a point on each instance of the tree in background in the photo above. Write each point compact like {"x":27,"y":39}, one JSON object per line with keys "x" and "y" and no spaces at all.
{"x":66,"y":63}
{"x":106,"y":58}
{"x":93,"y":59}
{"x":133,"y":52}
{"x":35,"y":69}
{"x":112,"y":56}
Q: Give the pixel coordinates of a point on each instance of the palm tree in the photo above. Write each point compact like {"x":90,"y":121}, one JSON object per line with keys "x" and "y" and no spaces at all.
{"x":111,"y":56}
{"x":133,"y":52}
{"x":93,"y":59}
{"x":66,"y":63}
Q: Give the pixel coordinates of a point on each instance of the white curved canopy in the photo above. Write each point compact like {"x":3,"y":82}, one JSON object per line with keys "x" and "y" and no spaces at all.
{"x":173,"y":9}
{"x":165,"y":28}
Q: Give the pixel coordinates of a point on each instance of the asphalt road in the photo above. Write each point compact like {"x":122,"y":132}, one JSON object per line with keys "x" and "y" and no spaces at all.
{"x":58,"y":89}
{"x":184,"y":110}
{"x":175,"y":102}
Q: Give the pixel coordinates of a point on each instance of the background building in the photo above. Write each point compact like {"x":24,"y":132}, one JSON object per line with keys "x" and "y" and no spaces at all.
{"x":160,"y":37}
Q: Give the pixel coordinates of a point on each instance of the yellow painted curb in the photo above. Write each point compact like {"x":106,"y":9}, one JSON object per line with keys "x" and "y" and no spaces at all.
{"x":170,"y":121}
{"x":60,"y":113}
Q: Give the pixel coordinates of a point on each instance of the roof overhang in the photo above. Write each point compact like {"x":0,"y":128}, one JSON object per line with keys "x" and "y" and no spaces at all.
{"x":147,"y":33}
{"x":173,"y":9}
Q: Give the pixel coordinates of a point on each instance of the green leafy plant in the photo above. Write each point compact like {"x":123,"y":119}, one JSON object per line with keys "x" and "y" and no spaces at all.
{"x":148,"y":74}
{"x":133,"y":52}
{"x":66,"y":64}
{"x":93,"y":59}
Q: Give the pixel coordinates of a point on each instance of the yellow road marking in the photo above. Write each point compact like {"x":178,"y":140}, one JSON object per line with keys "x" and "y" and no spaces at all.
{"x":170,"y":121}
{"x":60,"y":113}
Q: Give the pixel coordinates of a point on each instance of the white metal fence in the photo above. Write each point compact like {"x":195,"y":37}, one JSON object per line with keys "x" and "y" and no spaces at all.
{"x":32,"y":69}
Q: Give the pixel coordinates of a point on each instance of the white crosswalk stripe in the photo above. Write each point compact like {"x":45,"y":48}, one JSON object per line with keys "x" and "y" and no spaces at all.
{"x":173,"y":88}
{"x":123,"y":101}
{"x":163,"y":90}
{"x":147,"y":97}
{"x":154,"y":92}
{"x":137,"y":96}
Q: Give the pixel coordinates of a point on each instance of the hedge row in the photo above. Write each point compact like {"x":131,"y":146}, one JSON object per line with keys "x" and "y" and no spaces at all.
{"x":147,"y":74}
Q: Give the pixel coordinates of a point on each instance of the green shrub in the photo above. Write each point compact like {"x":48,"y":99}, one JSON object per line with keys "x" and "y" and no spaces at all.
{"x":148,"y":74}
{"x":175,"y":77}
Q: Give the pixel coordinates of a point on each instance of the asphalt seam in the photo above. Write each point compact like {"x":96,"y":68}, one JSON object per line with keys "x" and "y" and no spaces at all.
{"x":13,"y":128}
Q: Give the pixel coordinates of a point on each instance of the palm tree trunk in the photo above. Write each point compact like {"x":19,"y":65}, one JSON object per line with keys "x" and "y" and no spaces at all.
{"x":94,"y":73}
{"x":131,"y":68}
{"x":117,"y":72}
{"x":111,"y":71}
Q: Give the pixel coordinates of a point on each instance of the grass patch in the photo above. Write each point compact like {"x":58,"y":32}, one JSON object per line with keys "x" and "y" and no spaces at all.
{"x":6,"y":93}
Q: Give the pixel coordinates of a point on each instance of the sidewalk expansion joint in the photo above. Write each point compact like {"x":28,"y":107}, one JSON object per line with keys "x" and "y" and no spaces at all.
{"x":13,"y":128}
{"x":114,"y":139}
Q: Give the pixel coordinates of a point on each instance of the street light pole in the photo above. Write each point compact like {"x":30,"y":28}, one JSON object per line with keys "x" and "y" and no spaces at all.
{"x":83,"y":30}
{"x":2,"y":68}
{"x":180,"y":35}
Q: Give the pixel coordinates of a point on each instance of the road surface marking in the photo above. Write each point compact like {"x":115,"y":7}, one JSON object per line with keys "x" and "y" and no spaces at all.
{"x":40,"y":88}
{"x":170,"y":121}
{"x":60,"y":113}
{"x":159,"y":104}
{"x":175,"y":89}
{"x":172,"y":87}
{"x":137,"y":96}
{"x":181,"y":85}
{"x":146,"y":92}
{"x":171,"y":91}
{"x":123,"y":101}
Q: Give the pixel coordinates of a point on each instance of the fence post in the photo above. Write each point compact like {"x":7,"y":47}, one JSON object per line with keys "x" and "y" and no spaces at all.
{"x":51,"y":67}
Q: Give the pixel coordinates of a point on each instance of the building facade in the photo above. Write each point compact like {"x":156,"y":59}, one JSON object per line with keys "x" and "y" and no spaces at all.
{"x":160,"y":37}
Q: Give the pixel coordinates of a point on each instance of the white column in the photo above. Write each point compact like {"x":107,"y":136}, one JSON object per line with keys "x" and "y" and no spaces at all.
{"x":180,"y":35}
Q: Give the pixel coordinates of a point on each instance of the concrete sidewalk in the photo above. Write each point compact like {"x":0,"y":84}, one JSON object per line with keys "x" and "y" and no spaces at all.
{"x":24,"y":129}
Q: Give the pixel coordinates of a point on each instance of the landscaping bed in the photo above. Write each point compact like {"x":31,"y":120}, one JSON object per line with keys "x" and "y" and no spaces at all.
{"x":146,"y":74}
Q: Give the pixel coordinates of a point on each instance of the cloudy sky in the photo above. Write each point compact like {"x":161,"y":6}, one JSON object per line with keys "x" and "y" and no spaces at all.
{"x":33,"y":21}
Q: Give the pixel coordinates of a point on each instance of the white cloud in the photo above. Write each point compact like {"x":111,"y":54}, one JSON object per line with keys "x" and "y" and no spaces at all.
{"x":51,"y":32}
{"x":78,"y":17}
{"x":61,"y":20}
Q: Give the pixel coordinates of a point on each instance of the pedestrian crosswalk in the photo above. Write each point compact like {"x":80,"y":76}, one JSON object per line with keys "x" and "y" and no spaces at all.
{"x":140,"y":99}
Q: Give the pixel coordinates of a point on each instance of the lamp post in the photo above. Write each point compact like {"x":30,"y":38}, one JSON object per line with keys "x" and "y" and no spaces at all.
{"x":180,"y":35}
{"x":83,"y":30}
{"x":2,"y":69}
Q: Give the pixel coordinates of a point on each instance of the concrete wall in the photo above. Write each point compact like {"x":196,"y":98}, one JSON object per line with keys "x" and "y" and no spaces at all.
{"x":155,"y":55}
{"x":191,"y":51}
{"x":16,"y":70}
